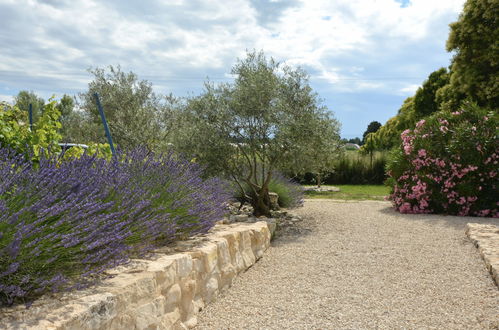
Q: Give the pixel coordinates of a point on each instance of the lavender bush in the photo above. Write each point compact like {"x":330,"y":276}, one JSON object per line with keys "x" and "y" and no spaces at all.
{"x":290,"y":193}
{"x":63,"y":223}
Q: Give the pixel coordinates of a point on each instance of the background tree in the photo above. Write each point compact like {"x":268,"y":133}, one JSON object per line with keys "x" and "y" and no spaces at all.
{"x":248,"y":129}
{"x":388,"y":135}
{"x":65,"y":106}
{"x":135,"y":114}
{"x":25,"y":98}
{"x":425,"y":100}
{"x":475,"y":66}
{"x":371,"y":128}
{"x":319,"y":158}
{"x":355,"y":140}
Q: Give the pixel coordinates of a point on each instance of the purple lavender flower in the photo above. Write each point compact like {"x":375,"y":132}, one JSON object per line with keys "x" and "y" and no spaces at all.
{"x":63,"y":223}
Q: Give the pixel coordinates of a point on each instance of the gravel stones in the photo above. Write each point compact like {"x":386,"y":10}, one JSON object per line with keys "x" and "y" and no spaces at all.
{"x":358,"y":265}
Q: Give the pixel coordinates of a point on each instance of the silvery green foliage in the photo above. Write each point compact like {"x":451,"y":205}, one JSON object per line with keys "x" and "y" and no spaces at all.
{"x":263,"y":121}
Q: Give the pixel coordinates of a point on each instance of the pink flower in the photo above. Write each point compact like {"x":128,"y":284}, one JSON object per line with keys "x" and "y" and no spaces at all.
{"x":405,"y":133}
{"x":443,"y":121}
{"x":483,"y":213}
{"x":422,"y":153}
{"x":405,"y":208}
{"x":407,"y":149}
{"x":420,"y":123}
{"x":443,"y":129}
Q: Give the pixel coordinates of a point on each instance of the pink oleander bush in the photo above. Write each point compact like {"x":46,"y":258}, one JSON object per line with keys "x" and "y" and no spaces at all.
{"x":448,"y":164}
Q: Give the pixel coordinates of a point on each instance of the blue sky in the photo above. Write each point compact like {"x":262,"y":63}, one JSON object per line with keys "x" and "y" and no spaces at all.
{"x":364,"y":57}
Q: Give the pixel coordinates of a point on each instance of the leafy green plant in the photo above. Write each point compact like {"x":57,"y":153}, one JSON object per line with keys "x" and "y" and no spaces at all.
{"x":290,"y":193}
{"x":15,"y":131}
{"x":448,"y":164}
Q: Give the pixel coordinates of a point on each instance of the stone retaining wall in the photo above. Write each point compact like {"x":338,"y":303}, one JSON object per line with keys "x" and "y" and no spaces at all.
{"x":164,"y":293}
{"x":486,"y":239}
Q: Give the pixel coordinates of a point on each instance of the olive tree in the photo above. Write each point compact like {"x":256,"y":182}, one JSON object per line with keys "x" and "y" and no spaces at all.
{"x":249,"y":128}
{"x":136,"y":115}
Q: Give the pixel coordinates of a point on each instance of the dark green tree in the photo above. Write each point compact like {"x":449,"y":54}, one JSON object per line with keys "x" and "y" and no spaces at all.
{"x":65,"y":105}
{"x":373,"y":127}
{"x":475,"y":66}
{"x":425,"y":100}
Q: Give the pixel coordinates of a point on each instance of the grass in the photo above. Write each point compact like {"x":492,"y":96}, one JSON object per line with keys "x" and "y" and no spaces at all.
{"x":352,"y":192}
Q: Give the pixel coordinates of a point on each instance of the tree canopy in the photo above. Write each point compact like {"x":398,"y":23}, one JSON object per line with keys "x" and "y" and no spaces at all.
{"x":24,"y":98}
{"x":266,"y":119}
{"x":135,"y":114}
{"x":475,"y":66}
{"x":473,"y":74}
{"x":425,"y":100}
{"x":373,"y":127}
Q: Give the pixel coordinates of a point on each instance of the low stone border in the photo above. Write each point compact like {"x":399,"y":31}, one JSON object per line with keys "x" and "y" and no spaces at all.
{"x":164,"y":293}
{"x":486,"y":239}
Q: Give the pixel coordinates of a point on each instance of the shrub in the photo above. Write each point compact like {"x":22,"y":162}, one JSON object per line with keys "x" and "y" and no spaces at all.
{"x":16,"y":134}
{"x":448,"y":164}
{"x":62,"y":223}
{"x":353,"y":168}
{"x":290,"y":193}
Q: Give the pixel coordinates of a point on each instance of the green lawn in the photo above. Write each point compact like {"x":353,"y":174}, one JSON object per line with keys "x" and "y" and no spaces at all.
{"x":352,"y":192}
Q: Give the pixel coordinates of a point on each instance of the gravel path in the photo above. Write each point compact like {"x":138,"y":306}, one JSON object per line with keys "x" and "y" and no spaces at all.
{"x":360,"y":265}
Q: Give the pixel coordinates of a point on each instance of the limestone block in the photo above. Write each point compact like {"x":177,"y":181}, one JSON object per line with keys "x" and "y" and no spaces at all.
{"x":188,"y":288}
{"x":274,"y":201}
{"x":211,"y":288}
{"x":184,"y":264}
{"x":210,"y":256}
{"x":164,"y":270}
{"x":90,"y":312}
{"x":169,"y":319}
{"x":132,"y":288}
{"x":247,"y":252}
{"x":148,"y":315}
{"x":486,"y":239}
{"x":223,"y":252}
{"x":123,"y":321}
{"x":235,"y":248}
{"x":156,"y":307}
{"x":191,"y":322}
{"x":173,"y":296}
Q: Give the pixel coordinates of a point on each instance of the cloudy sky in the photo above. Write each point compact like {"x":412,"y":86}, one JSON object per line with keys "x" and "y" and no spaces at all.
{"x":364,"y":57}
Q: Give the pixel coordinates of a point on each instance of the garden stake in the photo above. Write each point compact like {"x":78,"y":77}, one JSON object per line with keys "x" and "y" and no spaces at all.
{"x":30,"y":114}
{"x":104,"y":122}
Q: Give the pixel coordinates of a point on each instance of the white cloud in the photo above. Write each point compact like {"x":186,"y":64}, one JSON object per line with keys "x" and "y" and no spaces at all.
{"x":409,"y":89}
{"x":347,"y":46}
{"x":6,"y":98}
